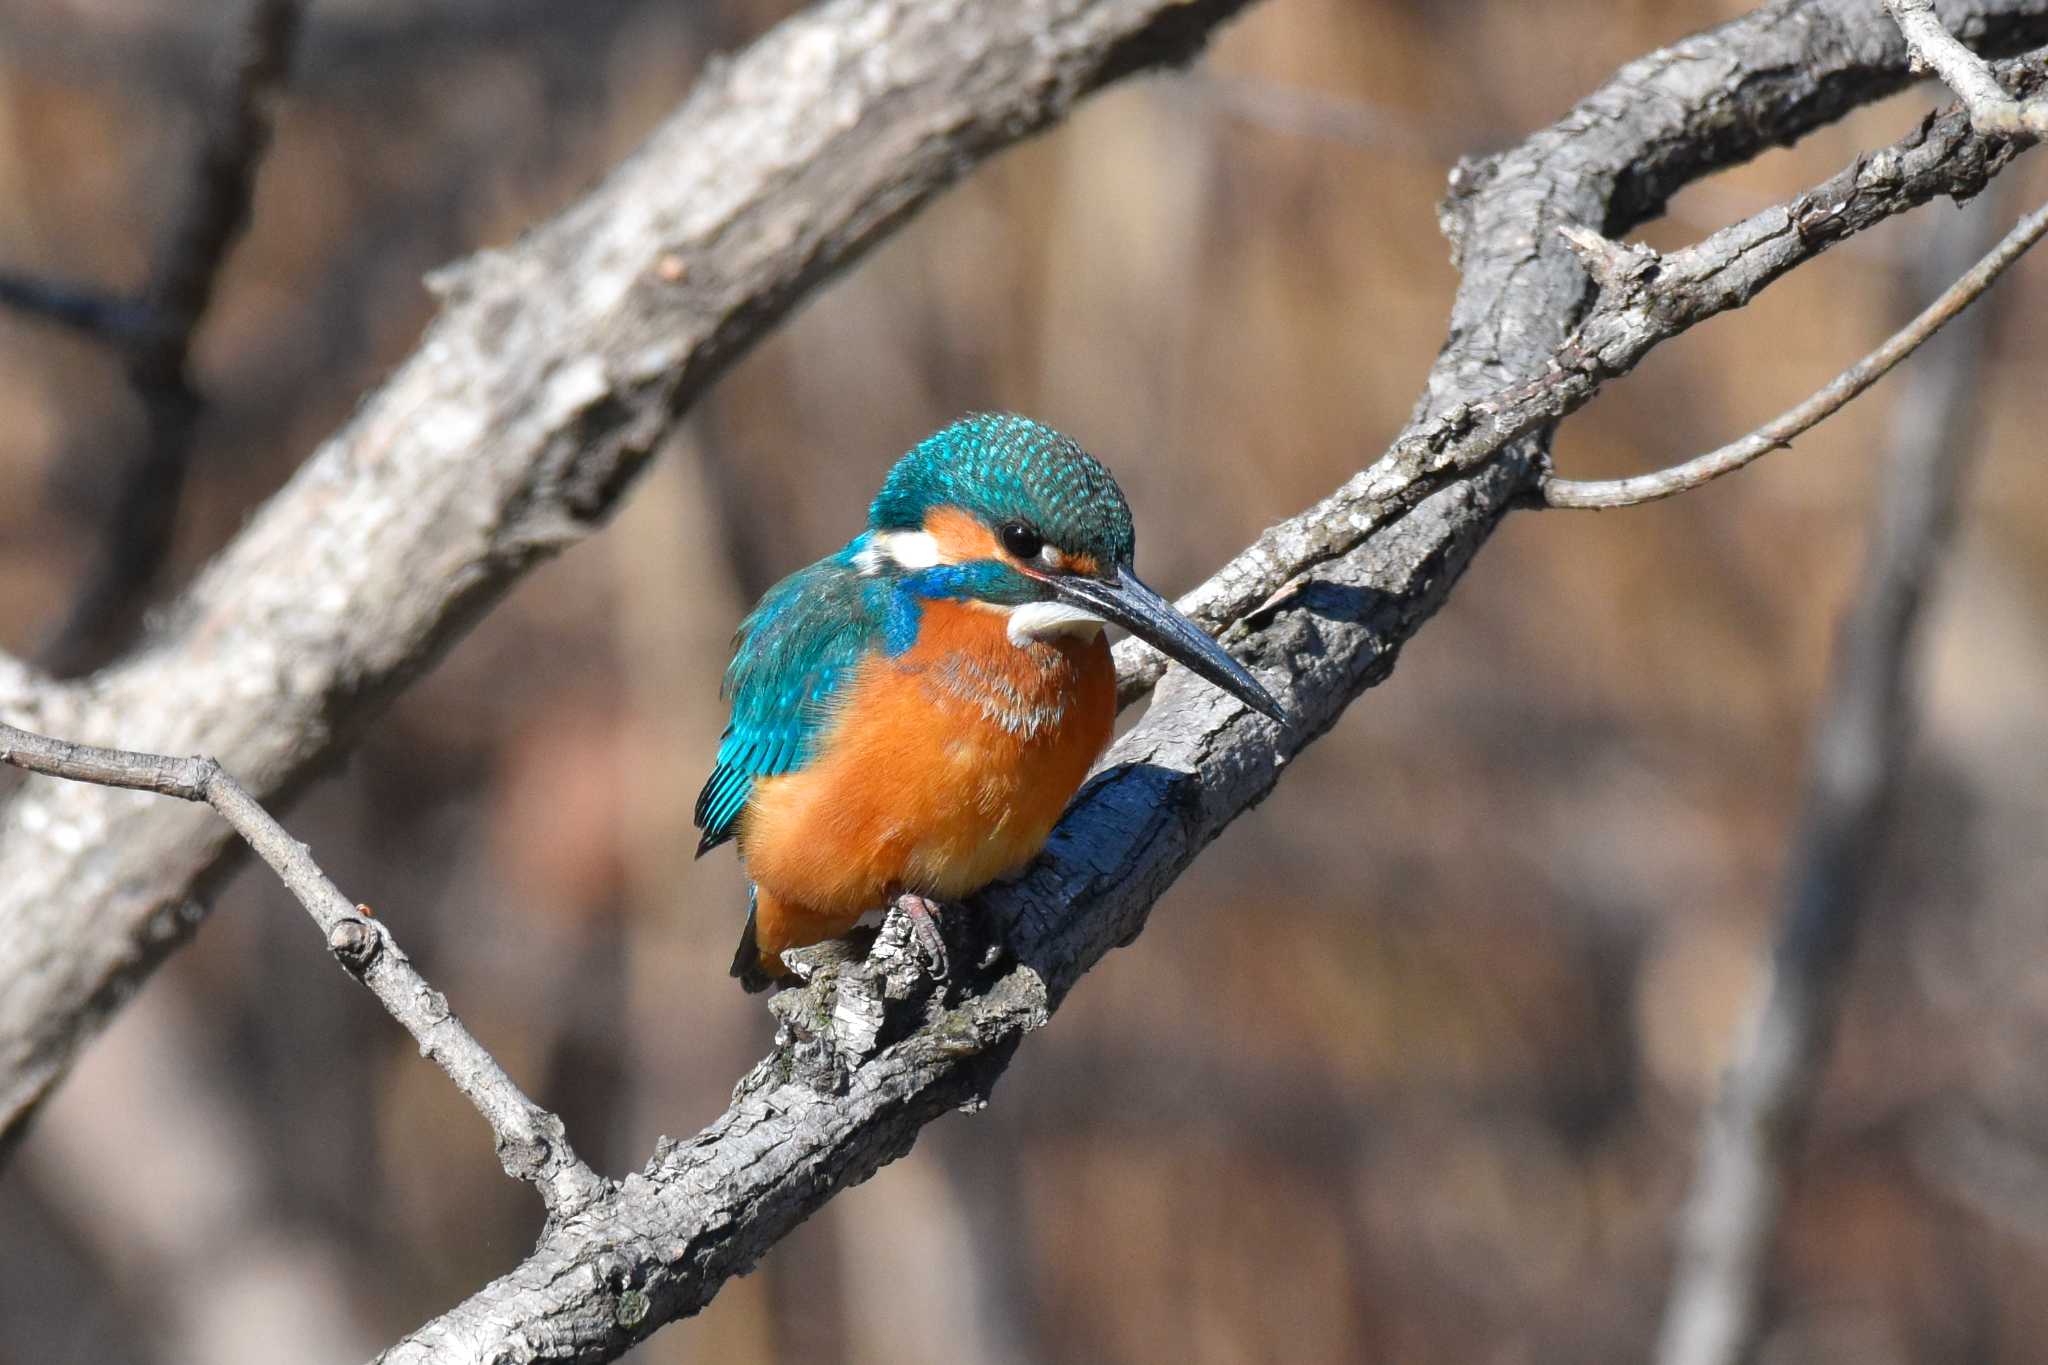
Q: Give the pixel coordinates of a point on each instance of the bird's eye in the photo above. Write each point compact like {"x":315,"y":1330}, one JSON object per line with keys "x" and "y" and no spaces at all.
{"x":1021,"y":541}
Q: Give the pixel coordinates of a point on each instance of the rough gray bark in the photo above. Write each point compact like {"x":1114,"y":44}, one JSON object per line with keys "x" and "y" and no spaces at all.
{"x":531,"y":402}
{"x":1645,"y":298}
{"x":574,"y":349}
{"x":1992,"y":109}
{"x":867,"y":1055}
{"x":1611,"y":264}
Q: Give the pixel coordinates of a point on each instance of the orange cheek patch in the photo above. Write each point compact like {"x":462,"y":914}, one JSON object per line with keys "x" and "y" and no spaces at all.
{"x":1081,"y":564}
{"x":960,"y":537}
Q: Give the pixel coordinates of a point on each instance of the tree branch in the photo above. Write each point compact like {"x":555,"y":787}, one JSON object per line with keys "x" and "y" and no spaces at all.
{"x":1992,"y":112}
{"x":1777,"y":433}
{"x":154,"y":333}
{"x":554,"y":369}
{"x":838,"y":1098}
{"x":1751,"y":1135}
{"x":1645,"y":299}
{"x":531,"y":1143}
{"x":558,"y":362}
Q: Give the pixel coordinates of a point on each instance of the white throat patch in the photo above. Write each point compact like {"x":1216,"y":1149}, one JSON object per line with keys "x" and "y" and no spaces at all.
{"x":904,"y":549}
{"x":1041,"y":621}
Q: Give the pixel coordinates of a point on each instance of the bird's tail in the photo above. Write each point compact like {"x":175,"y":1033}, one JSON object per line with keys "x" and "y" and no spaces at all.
{"x":746,"y":963}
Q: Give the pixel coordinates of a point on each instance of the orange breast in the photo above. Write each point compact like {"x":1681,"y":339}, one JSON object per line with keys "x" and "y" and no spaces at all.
{"x":944,"y":769}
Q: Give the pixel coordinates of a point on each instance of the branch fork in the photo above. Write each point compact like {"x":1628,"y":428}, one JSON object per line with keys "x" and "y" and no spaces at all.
{"x":1993,"y":112}
{"x":1779,"y":432}
{"x":1612,"y":264}
{"x":1384,"y":549}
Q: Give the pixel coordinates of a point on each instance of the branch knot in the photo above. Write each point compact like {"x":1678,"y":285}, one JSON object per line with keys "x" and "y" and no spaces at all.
{"x":355,"y":944}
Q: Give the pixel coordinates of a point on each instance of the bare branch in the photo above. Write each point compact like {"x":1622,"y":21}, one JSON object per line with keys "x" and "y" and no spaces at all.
{"x":531,"y":1143}
{"x":829,"y":1105}
{"x":1992,"y":112}
{"x":1751,"y":1135}
{"x":557,"y":364}
{"x":155,"y":333}
{"x":1646,"y":299}
{"x":1777,"y":433}
{"x":550,"y":376}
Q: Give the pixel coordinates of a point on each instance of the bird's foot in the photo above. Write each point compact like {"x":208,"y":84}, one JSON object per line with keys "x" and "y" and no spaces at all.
{"x":922,"y":913}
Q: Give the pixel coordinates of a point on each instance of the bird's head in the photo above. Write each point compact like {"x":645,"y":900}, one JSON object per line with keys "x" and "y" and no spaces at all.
{"x":999,"y":510}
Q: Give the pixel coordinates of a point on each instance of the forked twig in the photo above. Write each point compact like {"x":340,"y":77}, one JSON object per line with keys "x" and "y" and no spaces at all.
{"x":1777,"y":433}
{"x":1992,"y":111}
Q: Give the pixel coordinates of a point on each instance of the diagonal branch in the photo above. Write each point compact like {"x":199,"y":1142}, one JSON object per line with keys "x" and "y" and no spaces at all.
{"x":1777,"y":433}
{"x":531,"y":1143}
{"x":1645,"y":299}
{"x":553,"y":370}
{"x":836,"y":1100}
{"x":558,"y":363}
{"x":1992,"y":112}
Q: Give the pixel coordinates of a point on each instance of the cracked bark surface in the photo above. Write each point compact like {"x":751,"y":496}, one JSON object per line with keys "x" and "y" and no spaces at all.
{"x":553,"y":370}
{"x":563,"y":423}
{"x":851,"y":1083}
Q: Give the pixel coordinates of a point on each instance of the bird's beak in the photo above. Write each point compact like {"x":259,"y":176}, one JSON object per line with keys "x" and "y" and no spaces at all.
{"x":1144,"y":613}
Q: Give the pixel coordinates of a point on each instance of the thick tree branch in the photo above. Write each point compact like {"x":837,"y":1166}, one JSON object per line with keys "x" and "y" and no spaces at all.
{"x":1992,"y":111}
{"x":1777,"y":434}
{"x":1645,"y":299}
{"x":839,"y":1097}
{"x":531,"y":1143}
{"x":560,"y":361}
{"x":534,"y":398}
{"x":1751,"y":1136}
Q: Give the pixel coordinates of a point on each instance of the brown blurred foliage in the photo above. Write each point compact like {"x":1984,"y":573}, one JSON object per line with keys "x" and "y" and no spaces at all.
{"x":1407,"y":1068}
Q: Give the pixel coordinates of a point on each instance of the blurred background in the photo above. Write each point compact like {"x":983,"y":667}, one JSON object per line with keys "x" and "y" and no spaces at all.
{"x":1408,"y":1067}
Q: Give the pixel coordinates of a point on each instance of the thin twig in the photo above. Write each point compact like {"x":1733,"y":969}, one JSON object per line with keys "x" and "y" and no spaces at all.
{"x":155,"y":333}
{"x":1777,"y":433}
{"x":1993,"y":112}
{"x":1751,"y":1135}
{"x":1647,"y":299}
{"x":531,"y":1142}
{"x":588,"y":312}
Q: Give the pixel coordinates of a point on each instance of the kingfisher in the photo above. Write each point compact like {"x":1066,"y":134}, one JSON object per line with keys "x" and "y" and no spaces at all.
{"x":910,"y":715}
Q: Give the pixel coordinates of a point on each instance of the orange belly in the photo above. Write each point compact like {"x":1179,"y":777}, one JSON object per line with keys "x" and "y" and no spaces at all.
{"x":944,"y":769}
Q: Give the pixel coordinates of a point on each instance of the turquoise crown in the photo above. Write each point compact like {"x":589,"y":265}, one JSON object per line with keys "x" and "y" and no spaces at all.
{"x":1003,"y":468}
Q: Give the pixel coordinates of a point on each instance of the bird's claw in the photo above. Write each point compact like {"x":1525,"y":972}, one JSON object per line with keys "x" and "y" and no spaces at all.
{"x":922,"y":914}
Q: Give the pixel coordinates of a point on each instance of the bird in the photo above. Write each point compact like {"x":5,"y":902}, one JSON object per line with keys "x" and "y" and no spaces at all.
{"x":911,"y":714}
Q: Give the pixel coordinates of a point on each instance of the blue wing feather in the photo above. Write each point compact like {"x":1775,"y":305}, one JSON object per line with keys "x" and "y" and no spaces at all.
{"x":791,"y":656}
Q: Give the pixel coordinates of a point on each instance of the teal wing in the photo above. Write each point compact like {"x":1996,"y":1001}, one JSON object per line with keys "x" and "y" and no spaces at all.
{"x":792,"y":655}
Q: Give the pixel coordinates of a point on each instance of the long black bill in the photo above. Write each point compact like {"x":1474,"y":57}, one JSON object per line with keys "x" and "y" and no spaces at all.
{"x":1150,"y":617}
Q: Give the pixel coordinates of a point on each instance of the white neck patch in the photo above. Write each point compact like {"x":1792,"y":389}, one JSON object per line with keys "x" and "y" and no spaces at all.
{"x":904,"y":549}
{"x":1043,"y":621}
